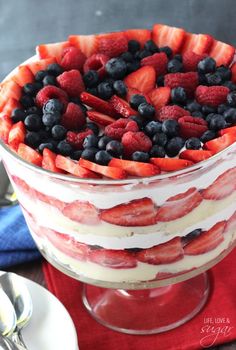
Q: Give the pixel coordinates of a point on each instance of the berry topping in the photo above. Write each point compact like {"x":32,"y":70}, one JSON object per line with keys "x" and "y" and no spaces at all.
{"x":192,"y":126}
{"x":76,"y":139}
{"x":72,"y":58}
{"x":142,"y":79}
{"x":97,"y":63}
{"x":116,"y":68}
{"x":170,"y":127}
{"x":188,"y":81}
{"x":114,"y":148}
{"x":158,"y":61}
{"x":212,"y":95}
{"x":51,"y":92}
{"x":117,"y":129}
{"x":108,"y":171}
{"x":222,"y":53}
{"x":71,"y":82}
{"x":191,"y":60}
{"x":206,"y":65}
{"x":113,"y":47}
{"x":135,"y":141}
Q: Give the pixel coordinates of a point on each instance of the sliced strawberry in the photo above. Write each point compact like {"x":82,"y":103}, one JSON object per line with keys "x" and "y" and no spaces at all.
{"x":180,"y":205}
{"x":189,"y":81}
{"x":172,"y":112}
{"x":83,"y":212}
{"x":114,"y":259}
{"x":206,"y":241}
{"x":191,"y":60}
{"x":233,"y":71}
{"x":112,"y":44}
{"x":164,"y":253}
{"x":97,"y":103}
{"x":143,"y":79}
{"x":29,"y":154}
{"x":10,"y":105}
{"x":231,"y":224}
{"x":192,"y":126}
{"x":96,"y":62}
{"x":158,"y":61}
{"x":73,"y":167}
{"x":35,"y":66}
{"x":9,"y":89}
{"x":164,"y":35}
{"x":23,"y":76}
{"x":16,"y":135}
{"x":86,"y":43}
{"x":21,"y":183}
{"x":49,"y":161}
{"x":171,"y":164}
{"x":220,"y":143}
{"x":100,"y":118}
{"x":222,"y":187}
{"x":52,"y":50}
{"x":139,"y":212}
{"x":160,"y":97}
{"x":230,"y":130}
{"x":135,"y":168}
{"x":195,"y":155}
{"x":5,"y":127}
{"x":222,"y":53}
{"x":121,"y":107}
{"x":54,"y":202}
{"x":108,"y":171}
{"x":198,"y":43}
{"x":141,"y":35}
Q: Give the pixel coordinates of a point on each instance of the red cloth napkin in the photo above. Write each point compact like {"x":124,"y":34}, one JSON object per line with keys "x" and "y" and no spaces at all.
{"x":214,"y":325}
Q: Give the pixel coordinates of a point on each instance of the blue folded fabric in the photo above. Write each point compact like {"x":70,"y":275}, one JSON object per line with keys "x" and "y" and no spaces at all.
{"x":16,"y":243}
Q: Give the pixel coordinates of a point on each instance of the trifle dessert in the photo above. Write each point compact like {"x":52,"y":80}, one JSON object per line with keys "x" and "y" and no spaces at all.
{"x":121,"y":148}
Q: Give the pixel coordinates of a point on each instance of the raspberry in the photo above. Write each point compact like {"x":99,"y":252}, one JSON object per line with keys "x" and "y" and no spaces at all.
{"x":211,"y":95}
{"x":113,"y":47}
{"x":191,"y":60}
{"x":73,"y":118}
{"x":158,"y":61}
{"x":192,"y":126}
{"x":189,"y":81}
{"x":51,"y":92}
{"x":72,"y":58}
{"x":76,"y":139}
{"x":135,"y":141}
{"x":117,"y":129}
{"x":172,"y":112}
{"x":71,"y":82}
{"x":96,"y":62}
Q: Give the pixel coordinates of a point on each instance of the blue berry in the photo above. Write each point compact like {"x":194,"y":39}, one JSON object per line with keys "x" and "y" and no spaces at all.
{"x":190,"y":236}
{"x":102,"y":143}
{"x":173,"y":146}
{"x":33,"y":122}
{"x":151,"y":46}
{"x":139,"y":120}
{"x":152,"y":128}
{"x":116,"y":68}
{"x":222,"y":108}
{"x":178,"y":57}
{"x":207,"y":65}
{"x":34,"y":110}
{"x":231,"y":99}
{"x":92,"y":91}
{"x":160,"y":139}
{"x":76,"y":155}
{"x":133,"y":46}
{"x":229,"y":84}
{"x":91,"y":78}
{"x":105,"y":90}
{"x":39,"y":76}
{"x":64,"y":148}
{"x":89,"y":154}
{"x":208,"y":135}
{"x":18,"y":115}
{"x":50,"y":119}
{"x":193,"y":106}
{"x":90,"y":141}
{"x":133,"y":66}
{"x":115,"y":148}
{"x":174,"y":66}
{"x":213,"y":79}
{"x":160,"y":80}
{"x":224,"y":72}
{"x":58,"y":132}
{"x":47,"y":145}
{"x":27,"y":101}
{"x":207,"y":110}
{"x":136,"y":100}
{"x":32,"y":139}
{"x":52,"y":105}
{"x":54,"y":69}
{"x":197,"y":114}
{"x":217,"y":122}
{"x":31,"y":88}
{"x":127,"y":56}
{"x":140,"y":157}
{"x":157,"y":152}
{"x":92,"y":126}
{"x":146,"y":110}
{"x":120,"y":88}
{"x":168,"y":51}
{"x":139,"y":55}
{"x":230,"y":115}
{"x":178,"y":95}
{"x":102,"y":157}
{"x":193,"y":143}
{"x":170,"y":127}
{"x":49,"y":80}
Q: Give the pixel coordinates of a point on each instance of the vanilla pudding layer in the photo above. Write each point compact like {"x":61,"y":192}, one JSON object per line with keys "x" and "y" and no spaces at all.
{"x":120,"y":237}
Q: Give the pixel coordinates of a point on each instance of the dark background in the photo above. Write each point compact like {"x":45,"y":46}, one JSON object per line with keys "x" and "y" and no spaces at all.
{"x":26,"y":23}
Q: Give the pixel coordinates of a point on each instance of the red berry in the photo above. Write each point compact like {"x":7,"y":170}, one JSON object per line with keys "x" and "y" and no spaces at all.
{"x":189,"y":81}
{"x":117,"y":129}
{"x":113,"y":47}
{"x":73,"y":118}
{"x":71,"y":82}
{"x":191,"y":60}
{"x":160,"y":97}
{"x":121,"y":107}
{"x":195,"y":155}
{"x":76,"y":139}
{"x":171,"y":112}
{"x":192,"y":126}
{"x":49,"y":92}
{"x":135,"y":141}
{"x":211,"y":95}
{"x":199,"y":43}
{"x":97,"y":103}
{"x":72,"y":58}
{"x":164,"y":35}
{"x":158,"y":61}
{"x":143,"y":79}
{"x":135,"y":168}
{"x":222,"y":53}
{"x":96,"y":62}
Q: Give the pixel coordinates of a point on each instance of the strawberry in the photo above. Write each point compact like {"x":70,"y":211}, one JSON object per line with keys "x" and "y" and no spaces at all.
{"x":10,"y":105}
{"x":135,"y":168}
{"x":170,"y":164}
{"x":117,"y":129}
{"x":222,"y":187}
{"x":73,"y":167}
{"x":16,"y":135}
{"x":141,"y":35}
{"x":35,"y":66}
{"x":206,"y":241}
{"x":114,"y":259}
{"x":29,"y":154}
{"x":160,"y":97}
{"x":220,"y":143}
{"x":233,"y":71}
{"x":71,"y":82}
{"x":192,"y":126}
{"x":96,"y":62}
{"x":191,"y":60}
{"x":112,"y":44}
{"x":189,"y":81}
{"x":108,"y":171}
{"x":195,"y":155}
{"x":143,"y":79}
{"x":158,"y":61}
{"x":52,"y":50}
{"x":222,"y":53}
{"x":86,"y":43}
{"x":139,"y":212}
{"x":9,"y":89}
{"x":72,"y":58}
{"x":48,"y":92}
{"x":23,"y":76}
{"x":198,"y":43}
{"x":76,"y":139}
{"x":100,"y":118}
{"x":83,"y":212}
{"x":97,"y":103}
{"x":73,"y":118}
{"x":5,"y":127}
{"x":230,"y":130}
{"x":164,"y":253}
{"x":211,"y":95}
{"x":231,"y":223}
{"x":121,"y":107}
{"x":164,"y":35}
{"x":172,"y":112}
{"x":179,"y":205}
{"x":135,"y":141}
{"x":49,"y":161}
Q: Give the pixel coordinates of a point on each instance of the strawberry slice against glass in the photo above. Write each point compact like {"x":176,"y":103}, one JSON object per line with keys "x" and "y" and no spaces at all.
{"x":73,"y":167}
{"x":29,"y":154}
{"x":164,"y":35}
{"x":9,"y":89}
{"x":35,"y":66}
{"x":23,"y":76}
{"x":115,"y":259}
{"x":140,"y":35}
{"x":222,"y":53}
{"x":83,"y":212}
{"x":16,"y":135}
{"x":171,"y":164}
{"x":198,"y":43}
{"x":135,"y":168}
{"x":88,"y":44}
{"x":52,"y":50}
{"x":222,"y":187}
{"x":108,"y":171}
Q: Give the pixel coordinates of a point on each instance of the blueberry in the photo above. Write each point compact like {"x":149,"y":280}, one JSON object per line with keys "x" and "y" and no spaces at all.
{"x":76,"y":155}
{"x":208,"y":109}
{"x":105,"y":91}
{"x":193,"y":106}
{"x":193,"y":143}
{"x":90,"y":141}
{"x":127,"y":56}
{"x":50,"y":119}
{"x":92,"y":91}
{"x":230,"y":115}
{"x":190,"y":236}
{"x":217,"y":122}
{"x":160,"y":80}
{"x":133,"y":66}
{"x":89,"y":154}
{"x":64,"y":148}
{"x":170,"y":127}
{"x":209,"y":117}
{"x":110,"y":81}
{"x":208,"y":135}
{"x":202,"y":79}
{"x":32,"y":139}
{"x":224,"y":72}
{"x":102,"y":143}
{"x":213,"y":79}
{"x":151,"y":46}
{"x":49,"y":80}
{"x":31,"y":88}
{"x":102,"y":157}
{"x":139,"y":120}
{"x":140,"y":157}
{"x":52,"y":105}
{"x":197,"y":114}
{"x":229,"y":84}
{"x":178,"y":57}
{"x":146,"y":110}
{"x":44,"y":135}
{"x":168,"y":51}
{"x":27,"y":101}
{"x":33,"y":122}
{"x":40,"y":75}
{"x":173,"y":146}
{"x":174,"y":66}
{"x":222,"y":108}
{"x":47,"y":145}
{"x":152,"y":128}
{"x":54,"y":69}
{"x":231,"y":99}
{"x":133,"y":46}
{"x":207,"y":65}
{"x":136,"y":100}
{"x":18,"y":115}
{"x":157,"y":152}
{"x":116,"y":68}
{"x":160,"y":139}
{"x":115,"y":148}
{"x":178,"y":95}
{"x":58,"y":132}
{"x":34,"y":110}
{"x":92,"y":126}
{"x":139,"y":55}
{"x":91,"y":78}
{"x":120,"y":88}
